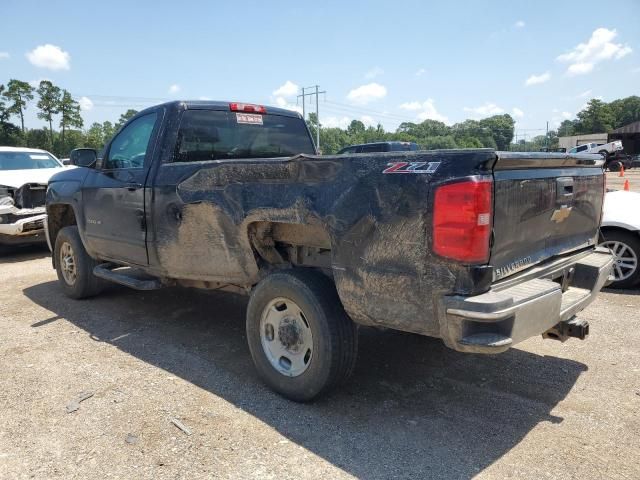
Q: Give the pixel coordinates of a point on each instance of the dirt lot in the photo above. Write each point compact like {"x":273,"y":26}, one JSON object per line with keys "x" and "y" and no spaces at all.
{"x":414,"y":409}
{"x":615,"y":181}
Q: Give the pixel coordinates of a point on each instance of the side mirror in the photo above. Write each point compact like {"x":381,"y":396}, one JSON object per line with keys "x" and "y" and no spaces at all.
{"x":83,"y":157}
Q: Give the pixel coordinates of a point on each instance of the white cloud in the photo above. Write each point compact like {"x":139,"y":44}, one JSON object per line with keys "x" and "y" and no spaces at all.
{"x":519,"y":24}
{"x":4,"y":55}
{"x":517,"y":112}
{"x":373,"y":73}
{"x":584,"y":94}
{"x":583,"y":58}
{"x":85,"y":103}
{"x":173,"y":89}
{"x":579,"y":68}
{"x":368,"y":121}
{"x":283,"y":103}
{"x":485,"y":110}
{"x":411,"y":106}
{"x":537,"y":79}
{"x":426,"y":110}
{"x":367,"y":93}
{"x":288,"y":89}
{"x":566,"y":115}
{"x":420,"y":72}
{"x":335,"y":122}
{"x":49,"y":56}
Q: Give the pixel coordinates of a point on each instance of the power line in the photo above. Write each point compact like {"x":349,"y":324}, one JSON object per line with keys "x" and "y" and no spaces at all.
{"x":317,"y":94}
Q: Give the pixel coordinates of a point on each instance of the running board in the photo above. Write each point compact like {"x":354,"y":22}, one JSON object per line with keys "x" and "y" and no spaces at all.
{"x":127,"y":276}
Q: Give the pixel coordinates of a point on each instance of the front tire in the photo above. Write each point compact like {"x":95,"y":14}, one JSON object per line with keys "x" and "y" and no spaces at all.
{"x":301,"y":340}
{"x":74,"y":266}
{"x":626,"y":248}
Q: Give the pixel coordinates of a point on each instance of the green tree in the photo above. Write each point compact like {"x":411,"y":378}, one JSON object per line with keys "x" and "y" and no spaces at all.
{"x":625,"y":111}
{"x":124,"y":118}
{"x":49,"y":103}
{"x":597,"y":117}
{"x":69,"y":115}
{"x":38,"y":138}
{"x":108,"y":131}
{"x":567,"y":128}
{"x":9,"y":133}
{"x":501,"y":128}
{"x":94,"y":137}
{"x":19,"y":93}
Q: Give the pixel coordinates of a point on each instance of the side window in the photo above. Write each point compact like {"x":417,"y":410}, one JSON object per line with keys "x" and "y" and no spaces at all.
{"x":129,"y":147}
{"x":582,"y":148}
{"x":376,"y":147}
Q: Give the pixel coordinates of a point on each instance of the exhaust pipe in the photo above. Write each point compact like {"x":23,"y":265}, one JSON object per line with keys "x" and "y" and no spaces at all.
{"x":574,"y":327}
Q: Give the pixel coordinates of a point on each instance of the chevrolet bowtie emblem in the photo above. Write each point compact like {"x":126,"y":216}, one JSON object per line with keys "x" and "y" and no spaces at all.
{"x":561,"y":214}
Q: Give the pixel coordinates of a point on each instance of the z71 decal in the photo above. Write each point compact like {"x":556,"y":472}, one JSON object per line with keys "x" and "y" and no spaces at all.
{"x":411,"y":167}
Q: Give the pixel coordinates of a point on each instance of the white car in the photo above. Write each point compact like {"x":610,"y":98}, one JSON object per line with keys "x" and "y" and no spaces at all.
{"x":604,"y":149}
{"x":620,"y":232}
{"x":24,"y":175}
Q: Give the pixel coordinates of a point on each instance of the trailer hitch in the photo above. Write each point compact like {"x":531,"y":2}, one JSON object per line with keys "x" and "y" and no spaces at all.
{"x":574,"y":327}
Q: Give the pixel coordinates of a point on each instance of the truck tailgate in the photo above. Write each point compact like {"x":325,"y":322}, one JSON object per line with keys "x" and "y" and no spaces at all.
{"x":544,"y":205}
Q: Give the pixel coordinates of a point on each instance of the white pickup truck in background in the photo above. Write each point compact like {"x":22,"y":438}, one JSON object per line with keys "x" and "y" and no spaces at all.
{"x":24,"y":175}
{"x":603,"y":149}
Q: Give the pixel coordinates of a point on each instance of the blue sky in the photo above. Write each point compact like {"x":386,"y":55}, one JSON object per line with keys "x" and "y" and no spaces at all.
{"x":384,"y":62}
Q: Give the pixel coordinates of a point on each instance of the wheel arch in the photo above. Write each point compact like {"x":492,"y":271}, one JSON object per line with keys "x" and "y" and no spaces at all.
{"x":59,"y":215}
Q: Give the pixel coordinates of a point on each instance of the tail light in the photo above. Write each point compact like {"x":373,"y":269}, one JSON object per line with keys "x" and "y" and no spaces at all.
{"x":247,"y":108}
{"x":462,"y":220}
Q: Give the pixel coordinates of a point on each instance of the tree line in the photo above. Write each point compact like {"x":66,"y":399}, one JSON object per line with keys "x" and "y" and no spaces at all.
{"x":492,"y":132}
{"x":57,"y":107}
{"x":59,"y":110}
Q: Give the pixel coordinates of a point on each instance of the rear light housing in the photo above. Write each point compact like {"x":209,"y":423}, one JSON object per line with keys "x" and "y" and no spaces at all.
{"x":247,"y":108}
{"x":462,"y":220}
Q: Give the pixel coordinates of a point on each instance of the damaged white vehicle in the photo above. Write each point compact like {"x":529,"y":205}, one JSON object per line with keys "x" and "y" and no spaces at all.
{"x":24,"y":175}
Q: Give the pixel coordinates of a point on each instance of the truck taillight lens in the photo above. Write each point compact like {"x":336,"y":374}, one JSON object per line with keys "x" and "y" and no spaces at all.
{"x":247,"y":108}
{"x":462,"y":220}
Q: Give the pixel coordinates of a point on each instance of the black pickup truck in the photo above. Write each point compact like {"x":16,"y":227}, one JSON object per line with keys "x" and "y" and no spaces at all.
{"x":482,"y":249}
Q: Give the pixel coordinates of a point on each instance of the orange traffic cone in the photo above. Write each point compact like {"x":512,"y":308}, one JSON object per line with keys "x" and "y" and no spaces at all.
{"x":626,"y":185}
{"x":621,"y":174}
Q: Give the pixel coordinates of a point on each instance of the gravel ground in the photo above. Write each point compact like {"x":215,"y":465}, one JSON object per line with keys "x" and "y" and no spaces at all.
{"x":413,"y":409}
{"x":616,"y":182}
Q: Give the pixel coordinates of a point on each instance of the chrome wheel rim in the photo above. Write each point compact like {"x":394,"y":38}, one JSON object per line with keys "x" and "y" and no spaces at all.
{"x":625,"y":261}
{"x":286,"y":337}
{"x":68,"y":263}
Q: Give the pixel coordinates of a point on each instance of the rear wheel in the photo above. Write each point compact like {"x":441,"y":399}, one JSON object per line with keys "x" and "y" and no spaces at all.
{"x":74,"y":266}
{"x":615,"y":166}
{"x":301,"y":340}
{"x":625,"y":246}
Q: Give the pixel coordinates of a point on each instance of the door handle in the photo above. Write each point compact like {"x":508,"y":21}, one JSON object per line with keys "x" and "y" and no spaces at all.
{"x":133,"y":186}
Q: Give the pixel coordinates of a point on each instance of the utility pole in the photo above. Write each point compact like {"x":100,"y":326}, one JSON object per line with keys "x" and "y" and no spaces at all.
{"x":317,"y":93}
{"x":546,"y":141}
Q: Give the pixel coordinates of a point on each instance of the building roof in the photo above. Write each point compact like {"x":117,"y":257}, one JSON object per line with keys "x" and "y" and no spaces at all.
{"x":631,"y":128}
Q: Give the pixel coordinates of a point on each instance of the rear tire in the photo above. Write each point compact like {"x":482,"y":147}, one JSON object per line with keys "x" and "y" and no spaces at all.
{"x":74,"y":266}
{"x":301,"y":340}
{"x":625,"y":246}
{"x":615,"y":166}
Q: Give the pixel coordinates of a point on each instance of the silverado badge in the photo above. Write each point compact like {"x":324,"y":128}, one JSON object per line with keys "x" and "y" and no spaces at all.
{"x":561,"y":214}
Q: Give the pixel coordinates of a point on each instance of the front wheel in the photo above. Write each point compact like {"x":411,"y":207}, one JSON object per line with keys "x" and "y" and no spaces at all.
{"x":301,"y":340}
{"x":625,"y":247}
{"x":74,"y":266}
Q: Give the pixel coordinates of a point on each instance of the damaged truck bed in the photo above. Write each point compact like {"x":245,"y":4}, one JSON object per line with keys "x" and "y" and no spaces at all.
{"x":482,"y":249}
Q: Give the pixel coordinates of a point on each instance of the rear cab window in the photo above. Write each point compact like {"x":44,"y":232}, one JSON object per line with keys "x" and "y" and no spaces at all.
{"x":224,"y":135}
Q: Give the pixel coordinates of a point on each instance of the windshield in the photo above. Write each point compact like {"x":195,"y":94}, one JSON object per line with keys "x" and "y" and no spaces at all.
{"x":213,"y":135}
{"x":27,"y":161}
